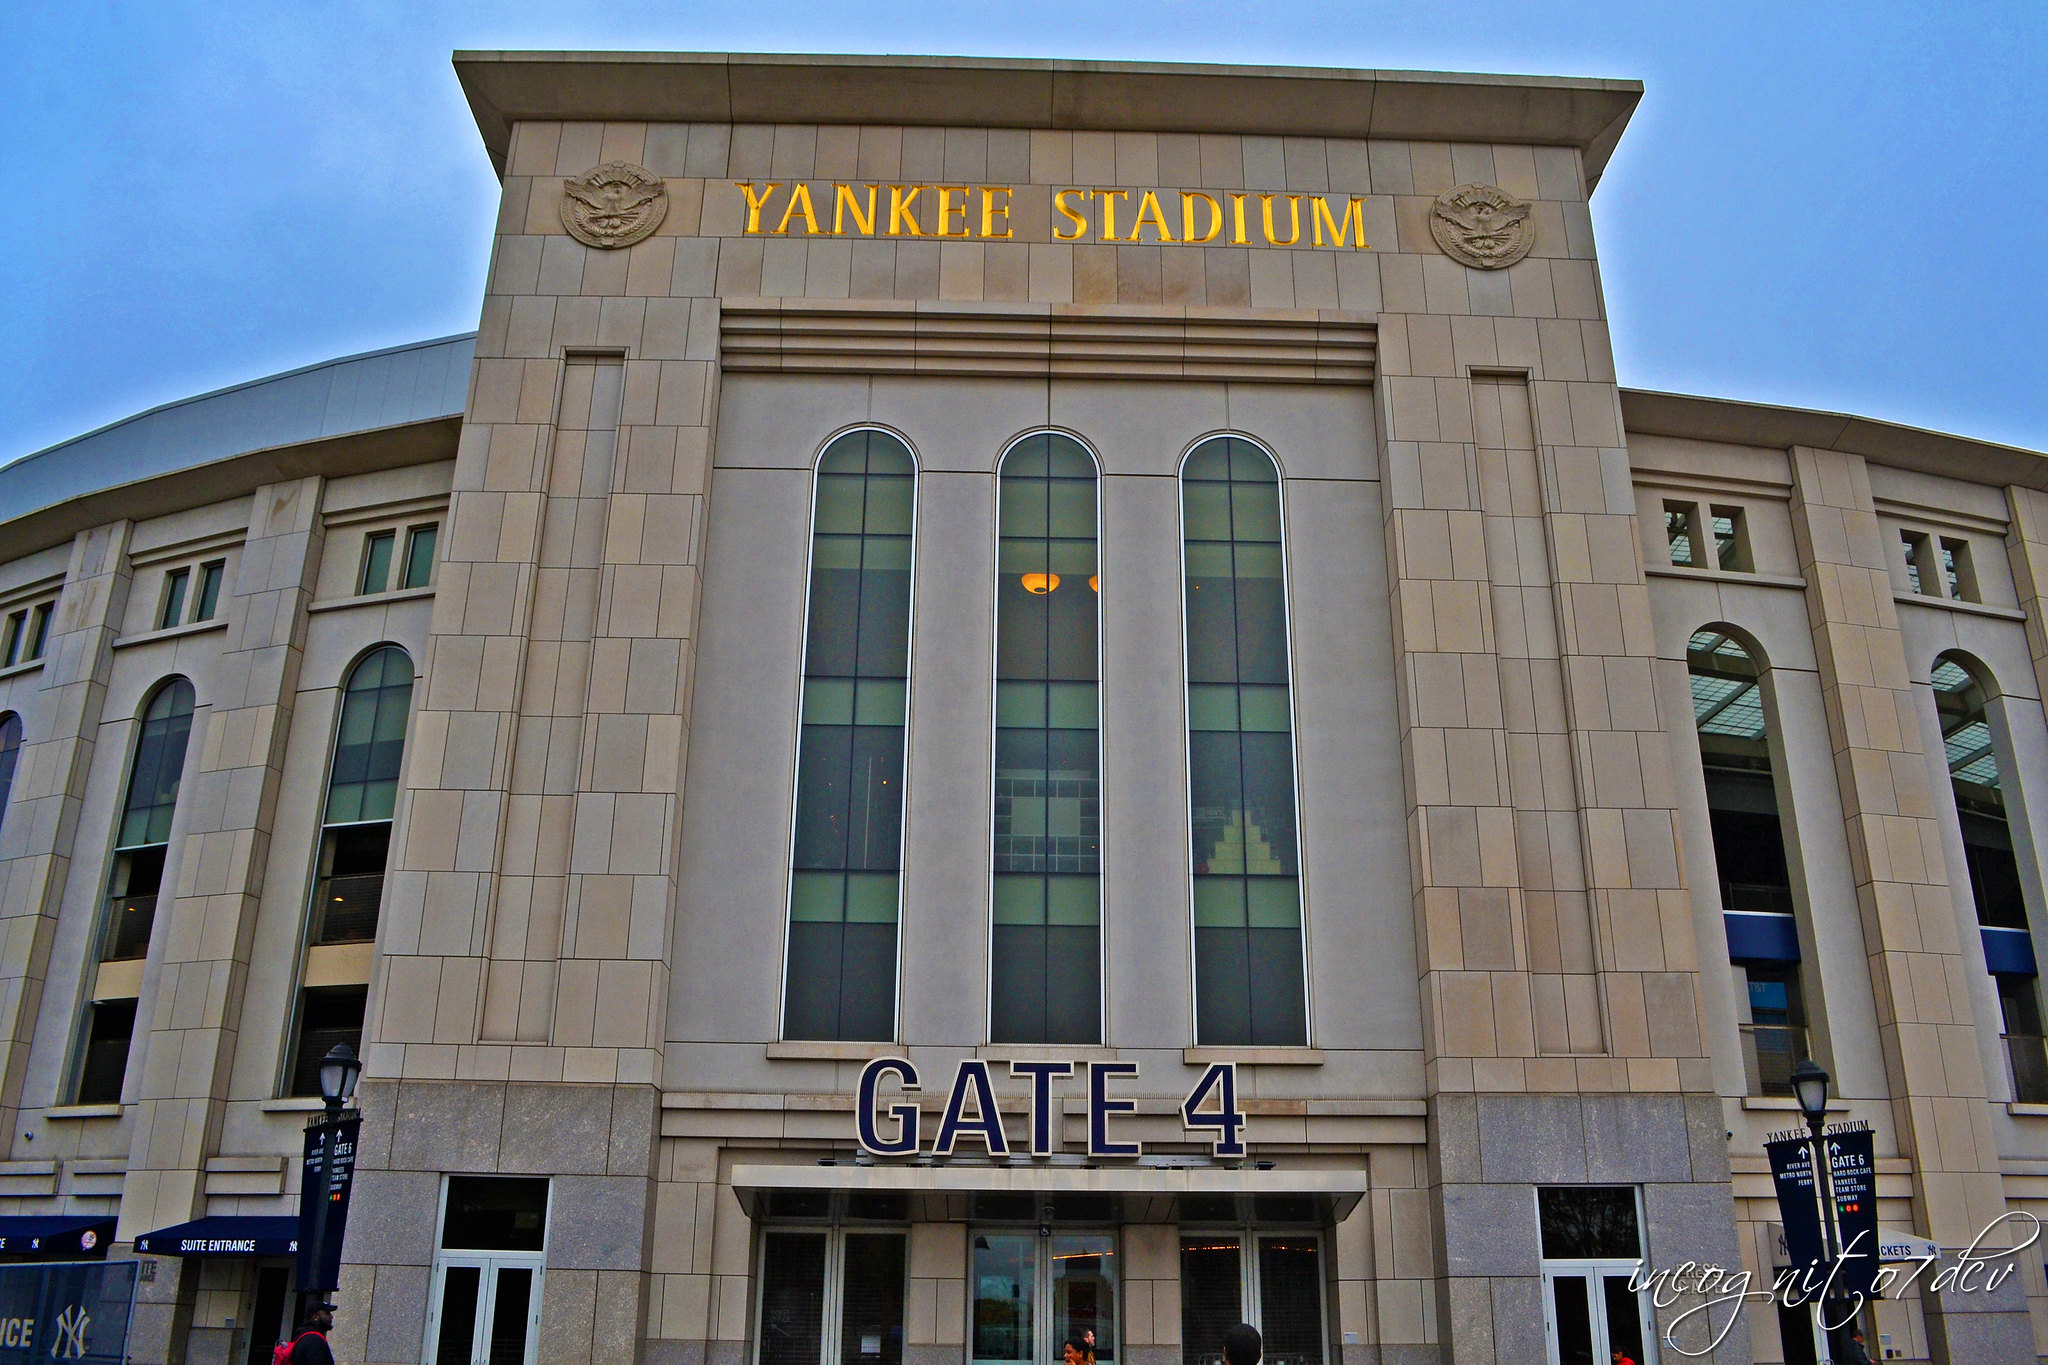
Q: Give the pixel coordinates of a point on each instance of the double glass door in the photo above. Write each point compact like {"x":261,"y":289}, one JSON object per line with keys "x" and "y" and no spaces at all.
{"x":486,"y":1310}
{"x":832,"y":1297}
{"x":1272,"y":1280}
{"x":1590,"y":1313}
{"x":1033,"y":1291}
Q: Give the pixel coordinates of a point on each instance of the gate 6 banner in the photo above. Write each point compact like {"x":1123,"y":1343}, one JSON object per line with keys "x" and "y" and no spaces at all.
{"x":1851,"y":1156}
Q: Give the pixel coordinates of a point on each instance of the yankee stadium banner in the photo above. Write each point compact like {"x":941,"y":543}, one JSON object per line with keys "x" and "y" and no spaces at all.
{"x":66,"y":1310}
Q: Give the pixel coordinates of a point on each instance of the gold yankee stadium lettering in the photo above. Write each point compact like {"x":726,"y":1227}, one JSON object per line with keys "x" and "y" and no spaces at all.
{"x":880,"y":209}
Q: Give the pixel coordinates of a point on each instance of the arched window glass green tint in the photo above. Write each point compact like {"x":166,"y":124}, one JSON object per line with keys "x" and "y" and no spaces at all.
{"x":1249,"y":986}
{"x":1046,"y":948}
{"x":362,"y":790}
{"x":1972,"y":759}
{"x":845,"y":882}
{"x":159,"y":762}
{"x":10,"y":751}
{"x":364,"y":783}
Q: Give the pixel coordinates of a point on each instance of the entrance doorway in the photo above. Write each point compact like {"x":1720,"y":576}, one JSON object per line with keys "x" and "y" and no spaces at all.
{"x":832,"y":1296}
{"x":1272,"y":1280}
{"x":484,"y":1308}
{"x":1034,"y":1289}
{"x":1592,"y":1246}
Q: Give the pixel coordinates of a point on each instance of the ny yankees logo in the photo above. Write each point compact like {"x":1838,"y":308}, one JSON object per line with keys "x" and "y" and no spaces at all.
{"x":70,"y":1342}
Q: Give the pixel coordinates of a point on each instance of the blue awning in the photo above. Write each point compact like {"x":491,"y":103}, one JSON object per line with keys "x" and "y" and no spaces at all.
{"x":2008,"y":952}
{"x":1756,"y":937}
{"x":46,"y":1234}
{"x":224,"y":1236}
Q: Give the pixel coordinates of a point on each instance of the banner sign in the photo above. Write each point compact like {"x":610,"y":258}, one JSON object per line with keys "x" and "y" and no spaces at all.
{"x":1852,"y":1159}
{"x":341,"y":1181}
{"x":1799,"y":1210}
{"x":66,"y":1310}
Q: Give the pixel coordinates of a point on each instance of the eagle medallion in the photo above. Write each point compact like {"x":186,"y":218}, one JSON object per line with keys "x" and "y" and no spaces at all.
{"x":614,"y":205}
{"x":1482,"y":226}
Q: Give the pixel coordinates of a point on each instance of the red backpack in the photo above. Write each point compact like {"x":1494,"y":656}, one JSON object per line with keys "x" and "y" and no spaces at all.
{"x":281,"y":1354}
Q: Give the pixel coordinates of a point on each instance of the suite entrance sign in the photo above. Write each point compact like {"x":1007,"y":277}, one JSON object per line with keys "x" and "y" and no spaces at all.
{"x":972,"y":1111}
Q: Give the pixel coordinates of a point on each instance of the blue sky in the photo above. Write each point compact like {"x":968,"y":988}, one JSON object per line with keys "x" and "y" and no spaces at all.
{"x":1825,"y":205}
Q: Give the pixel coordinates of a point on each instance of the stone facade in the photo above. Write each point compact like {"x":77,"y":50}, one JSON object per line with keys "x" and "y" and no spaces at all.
{"x":1516,"y":969}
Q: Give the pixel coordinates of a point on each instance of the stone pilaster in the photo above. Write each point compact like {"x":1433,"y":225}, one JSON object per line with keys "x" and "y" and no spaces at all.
{"x":58,"y":734}
{"x":188,"y":1022}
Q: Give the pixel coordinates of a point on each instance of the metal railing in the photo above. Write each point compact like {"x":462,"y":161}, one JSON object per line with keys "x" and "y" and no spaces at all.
{"x":1756,"y":898}
{"x":1769,"y":1052}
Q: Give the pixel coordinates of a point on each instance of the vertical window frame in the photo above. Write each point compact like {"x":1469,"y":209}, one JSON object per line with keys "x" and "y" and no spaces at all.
{"x":796,"y":764}
{"x":387,"y":541}
{"x":40,"y":618}
{"x":430,"y":533}
{"x":995,"y":676}
{"x":1302,"y":897}
{"x":206,"y":601}
{"x":17,"y":636}
{"x":171,"y":605}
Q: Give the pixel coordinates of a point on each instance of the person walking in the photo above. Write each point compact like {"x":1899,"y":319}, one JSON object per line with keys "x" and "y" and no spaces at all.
{"x":1853,"y":1350}
{"x":1242,"y":1345}
{"x":310,"y":1346}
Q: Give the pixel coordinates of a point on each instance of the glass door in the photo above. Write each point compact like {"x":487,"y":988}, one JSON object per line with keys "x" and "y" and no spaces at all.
{"x":1590,"y":1313}
{"x":485,"y":1310}
{"x":1031,"y":1293}
{"x":1274,"y":1281}
{"x":831,"y":1297}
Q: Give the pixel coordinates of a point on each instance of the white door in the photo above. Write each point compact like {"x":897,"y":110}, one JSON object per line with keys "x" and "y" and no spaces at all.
{"x":1589,"y":1313}
{"x":485,"y":1310}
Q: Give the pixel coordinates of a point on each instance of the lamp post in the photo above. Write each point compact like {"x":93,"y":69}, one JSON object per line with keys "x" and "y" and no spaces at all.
{"x":1810,"y":1089}
{"x":339,"y":1070}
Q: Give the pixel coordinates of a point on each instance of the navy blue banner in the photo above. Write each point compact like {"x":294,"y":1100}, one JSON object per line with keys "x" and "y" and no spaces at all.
{"x":66,"y":1310}
{"x":1799,"y":1210}
{"x":1851,"y":1157}
{"x":340,"y":1182}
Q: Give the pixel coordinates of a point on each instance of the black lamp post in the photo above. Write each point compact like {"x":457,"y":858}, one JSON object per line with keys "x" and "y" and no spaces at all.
{"x":339,"y":1071}
{"x":1810,"y":1089}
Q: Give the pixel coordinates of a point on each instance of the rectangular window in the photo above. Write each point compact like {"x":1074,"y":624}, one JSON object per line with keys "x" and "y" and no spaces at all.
{"x":210,"y":576}
{"x":484,"y":1302}
{"x":1274,"y":1281}
{"x":2020,"y":1005}
{"x":1681,"y":533}
{"x":419,"y":556}
{"x":131,"y":902}
{"x":832,"y":1297}
{"x":328,"y":1015}
{"x":172,"y":612}
{"x":39,"y":631}
{"x":1731,"y":539}
{"x":1920,"y":566}
{"x":1957,"y":573}
{"x":17,"y":632}
{"x":1773,"y":1021}
{"x":105,"y":1064}
{"x":376,"y":576}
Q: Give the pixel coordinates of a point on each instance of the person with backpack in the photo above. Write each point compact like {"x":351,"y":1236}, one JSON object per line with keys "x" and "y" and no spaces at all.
{"x":310,"y":1346}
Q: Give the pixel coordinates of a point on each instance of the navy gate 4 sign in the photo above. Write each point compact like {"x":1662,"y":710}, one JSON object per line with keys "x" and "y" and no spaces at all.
{"x":66,"y":1310}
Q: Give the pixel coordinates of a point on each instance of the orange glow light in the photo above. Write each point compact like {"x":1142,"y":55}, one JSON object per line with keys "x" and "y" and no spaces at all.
{"x":1038,"y":584}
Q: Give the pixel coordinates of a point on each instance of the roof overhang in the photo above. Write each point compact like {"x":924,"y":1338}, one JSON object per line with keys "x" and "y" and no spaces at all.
{"x":1006,"y":92}
{"x":1732,"y":422}
{"x":1114,"y":1194}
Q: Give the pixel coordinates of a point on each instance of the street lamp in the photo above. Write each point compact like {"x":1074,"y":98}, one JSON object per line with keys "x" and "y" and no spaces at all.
{"x":339,"y":1070}
{"x":1810,"y":1089}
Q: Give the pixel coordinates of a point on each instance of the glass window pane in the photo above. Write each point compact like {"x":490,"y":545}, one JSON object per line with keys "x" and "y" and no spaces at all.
{"x":510,"y":1306}
{"x":792,"y":1298}
{"x":1587,"y":1222}
{"x":1005,"y":1294}
{"x":871,"y":1304}
{"x":1084,"y":1287}
{"x":495,"y":1213}
{"x":10,"y":753}
{"x":1211,"y":1294}
{"x":455,"y":1342}
{"x":377,"y":562}
{"x":1045,"y":986}
{"x":1624,"y":1317}
{"x":173,"y":610}
{"x":1291,"y":1300}
{"x":1574,"y":1315}
{"x":328,"y":1017}
{"x":210,"y":576}
{"x":419,"y":556}
{"x":105,"y":1063}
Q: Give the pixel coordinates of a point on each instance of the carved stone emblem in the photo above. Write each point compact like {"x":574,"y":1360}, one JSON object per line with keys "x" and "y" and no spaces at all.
{"x":614,"y":205}
{"x":1482,"y":226}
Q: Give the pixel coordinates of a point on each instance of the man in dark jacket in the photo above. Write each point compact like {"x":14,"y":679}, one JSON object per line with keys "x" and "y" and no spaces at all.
{"x":310,"y":1346}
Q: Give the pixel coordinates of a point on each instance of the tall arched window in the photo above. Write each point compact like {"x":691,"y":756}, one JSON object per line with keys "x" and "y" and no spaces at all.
{"x":1972,"y":758}
{"x":1749,"y":856}
{"x":1250,"y":983}
{"x":10,"y":752}
{"x":362,"y":788}
{"x":1046,"y":944}
{"x":848,"y":844}
{"x":140,"y":843}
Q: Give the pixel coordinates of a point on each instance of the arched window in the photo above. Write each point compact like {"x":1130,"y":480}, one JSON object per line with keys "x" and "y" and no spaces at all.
{"x":140,"y":843}
{"x":145,"y":830}
{"x":1971,"y":754}
{"x":1046,"y":944}
{"x":848,"y":843}
{"x":10,"y":752}
{"x":1749,"y":857}
{"x":1250,"y":984}
{"x":362,"y":788}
